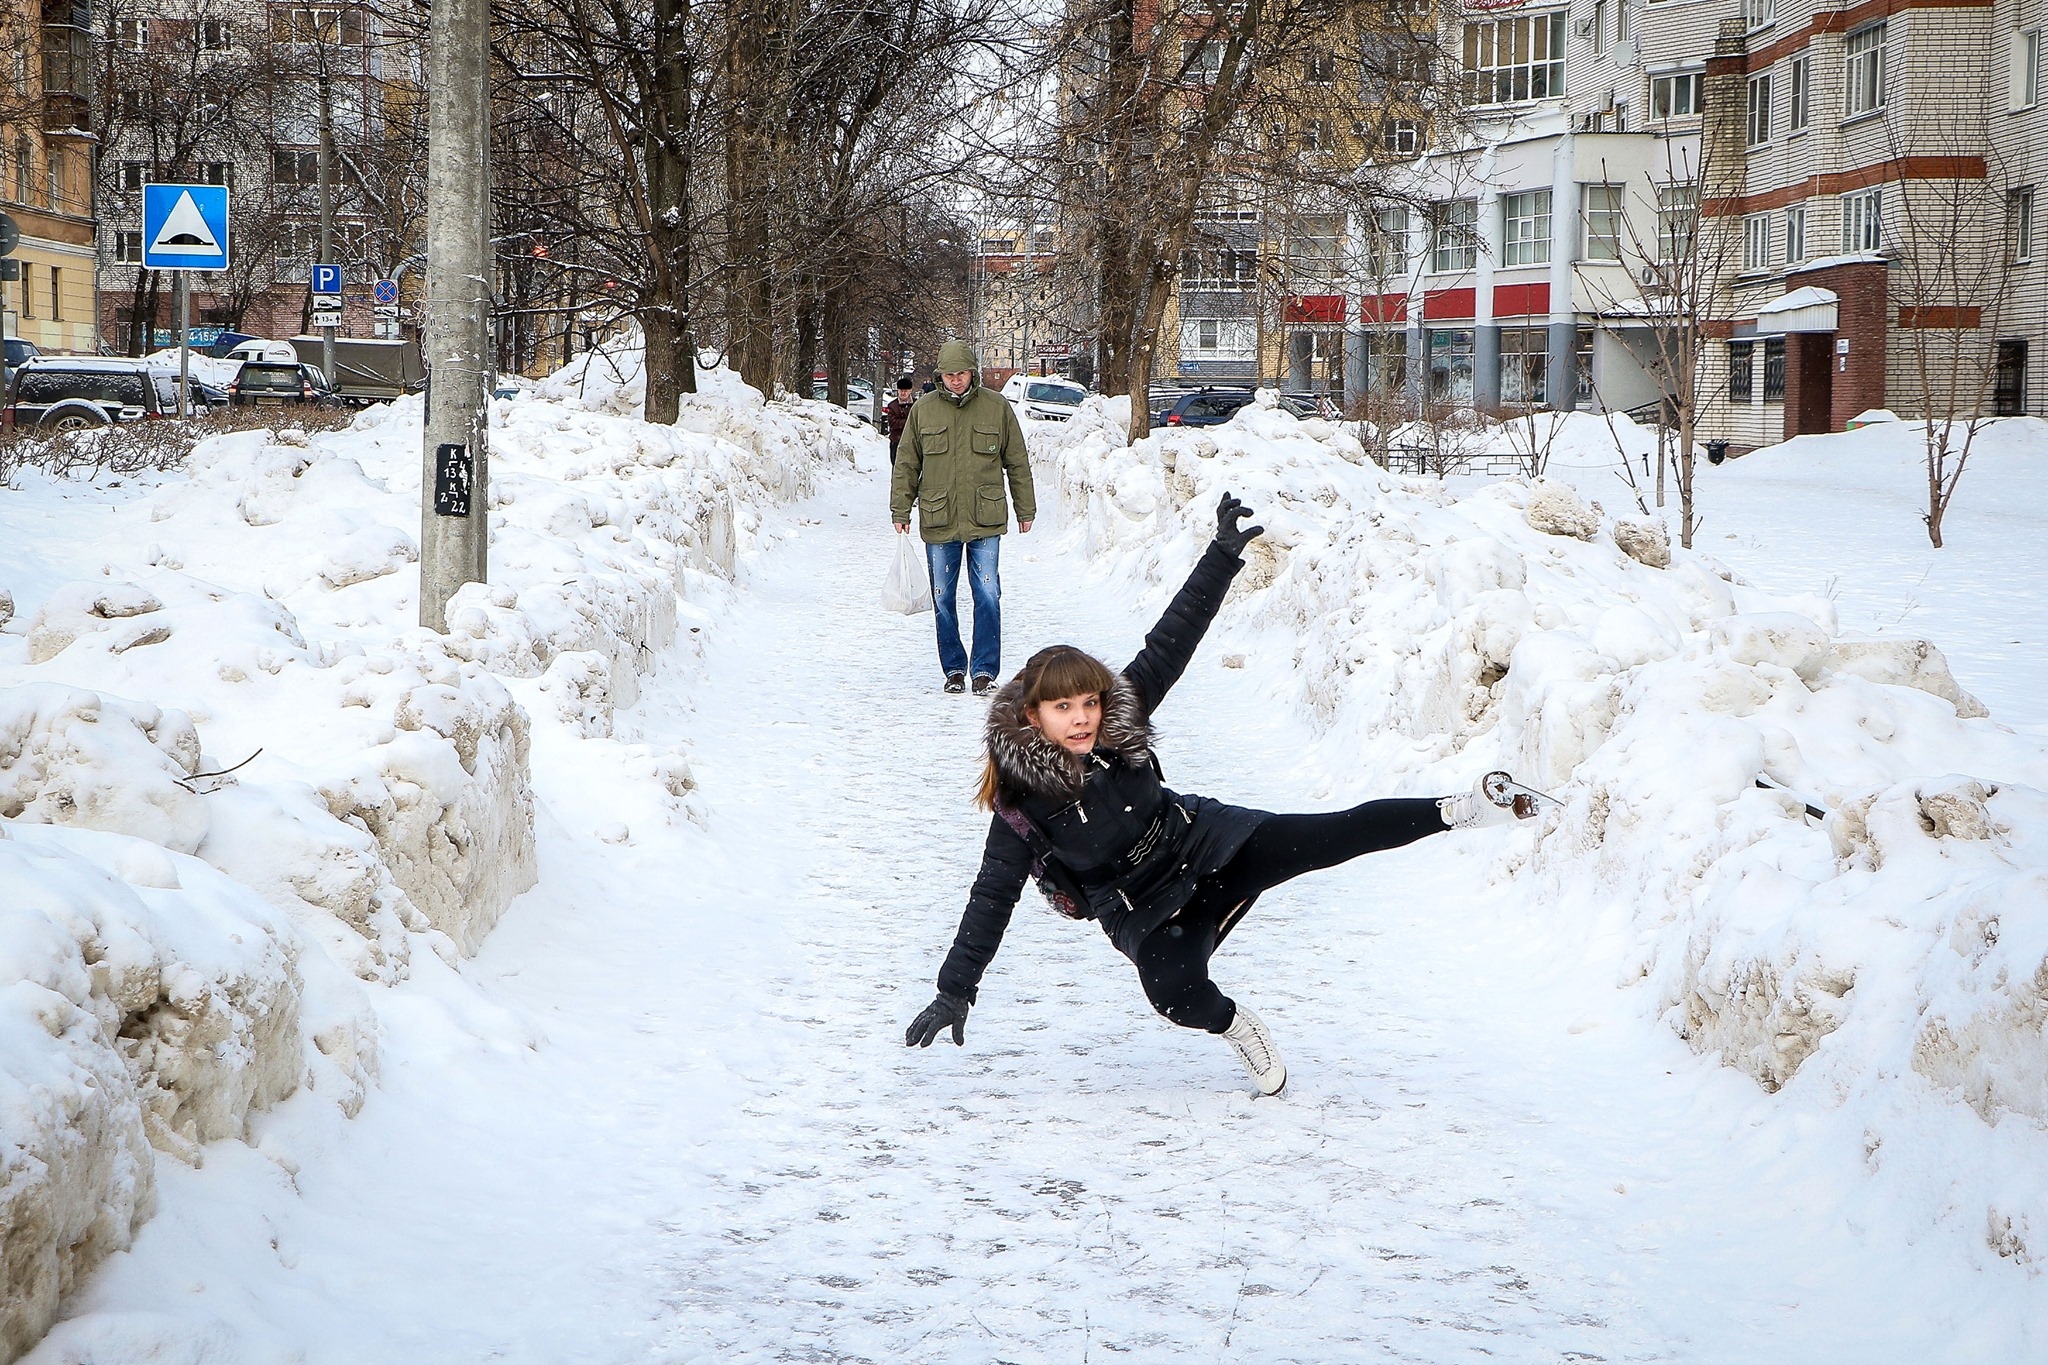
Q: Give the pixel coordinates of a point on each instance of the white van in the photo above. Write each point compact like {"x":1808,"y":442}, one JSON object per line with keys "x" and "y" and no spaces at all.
{"x":1043,"y":398}
{"x":255,"y":349}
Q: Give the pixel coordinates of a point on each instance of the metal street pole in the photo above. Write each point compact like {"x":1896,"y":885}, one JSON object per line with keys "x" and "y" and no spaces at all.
{"x":454,"y":517}
{"x":326,"y":206}
{"x":184,"y":343}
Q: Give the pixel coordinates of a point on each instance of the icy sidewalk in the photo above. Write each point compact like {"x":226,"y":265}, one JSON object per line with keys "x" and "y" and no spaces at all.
{"x":692,"y":1132}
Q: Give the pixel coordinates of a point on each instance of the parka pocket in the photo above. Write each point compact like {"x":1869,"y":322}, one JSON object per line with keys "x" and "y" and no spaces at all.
{"x":934,"y":441}
{"x":989,"y":507}
{"x":934,"y":511}
{"x":987,"y":442}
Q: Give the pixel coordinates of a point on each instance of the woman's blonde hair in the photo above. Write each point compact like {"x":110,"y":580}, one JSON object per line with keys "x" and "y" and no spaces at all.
{"x":1053,"y":672}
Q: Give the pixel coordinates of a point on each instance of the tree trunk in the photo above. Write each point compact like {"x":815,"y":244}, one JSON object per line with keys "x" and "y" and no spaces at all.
{"x":750,"y":341}
{"x":836,"y":343}
{"x":671,"y":359}
{"x":803,"y":351}
{"x":665,"y":365}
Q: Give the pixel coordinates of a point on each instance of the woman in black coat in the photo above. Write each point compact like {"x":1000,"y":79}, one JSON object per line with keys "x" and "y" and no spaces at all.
{"x":1079,"y":804}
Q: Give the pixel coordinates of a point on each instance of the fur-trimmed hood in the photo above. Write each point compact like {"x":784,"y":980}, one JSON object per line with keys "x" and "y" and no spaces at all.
{"x":1029,"y":763}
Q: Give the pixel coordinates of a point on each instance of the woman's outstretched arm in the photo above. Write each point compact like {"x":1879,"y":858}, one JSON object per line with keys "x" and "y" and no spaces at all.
{"x":1170,"y":645}
{"x":1005,"y":866}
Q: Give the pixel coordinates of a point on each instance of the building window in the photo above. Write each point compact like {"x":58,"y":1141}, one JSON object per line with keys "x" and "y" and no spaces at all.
{"x":128,"y":248}
{"x":2021,"y":212}
{"x":1525,"y":228}
{"x":1675,"y":96}
{"x":1758,"y":13}
{"x":1678,"y":216}
{"x":1322,"y":67}
{"x":133,"y":35}
{"x":28,"y":289}
{"x":1801,"y":111}
{"x":317,"y":24}
{"x":131,"y":176}
{"x":1605,"y":208}
{"x":1756,"y":242}
{"x":211,"y":35}
{"x":1624,"y":21}
{"x":1511,"y":60}
{"x":1760,"y":109}
{"x":1317,"y":135}
{"x":1226,"y":270}
{"x":291,"y":166}
{"x":1386,"y":248}
{"x":1795,"y":234}
{"x":2009,"y":384}
{"x":1208,"y":333}
{"x":24,"y":169}
{"x":1524,"y":365}
{"x":1400,"y":137}
{"x":2024,"y":77}
{"x":1863,"y":221}
{"x":217,"y":173}
{"x":1599,"y":23}
{"x":1865,"y":82}
{"x":1202,"y":61}
{"x":1774,"y":369}
{"x":1457,"y":235}
{"x":56,"y":294}
{"x":1450,"y":365}
{"x":1741,"y":364}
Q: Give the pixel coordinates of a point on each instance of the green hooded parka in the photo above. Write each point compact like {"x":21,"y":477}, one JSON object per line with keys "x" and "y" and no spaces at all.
{"x":954,"y":457}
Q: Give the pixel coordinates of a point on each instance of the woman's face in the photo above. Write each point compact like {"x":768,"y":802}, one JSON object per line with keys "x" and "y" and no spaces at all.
{"x":1070,"y":722}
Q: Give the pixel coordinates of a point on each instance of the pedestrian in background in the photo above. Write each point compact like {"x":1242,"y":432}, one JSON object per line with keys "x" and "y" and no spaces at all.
{"x":898,"y":411}
{"x":960,"y":445}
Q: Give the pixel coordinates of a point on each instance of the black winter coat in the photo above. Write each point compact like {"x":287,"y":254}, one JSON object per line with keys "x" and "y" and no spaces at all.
{"x":1135,"y":848}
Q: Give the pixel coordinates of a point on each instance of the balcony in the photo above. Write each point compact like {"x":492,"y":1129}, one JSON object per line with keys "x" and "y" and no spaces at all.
{"x":67,"y":66}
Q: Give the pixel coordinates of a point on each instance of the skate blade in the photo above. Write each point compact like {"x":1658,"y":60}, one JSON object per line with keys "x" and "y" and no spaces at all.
{"x":1503,"y":790}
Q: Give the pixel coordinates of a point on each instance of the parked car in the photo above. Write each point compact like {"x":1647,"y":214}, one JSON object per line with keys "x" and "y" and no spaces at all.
{"x":274,"y":383}
{"x":1044,"y":398}
{"x":860,"y":396}
{"x":74,"y":393}
{"x":20,"y":349}
{"x":1311,"y":405}
{"x":1201,"y":408}
{"x":255,"y":348}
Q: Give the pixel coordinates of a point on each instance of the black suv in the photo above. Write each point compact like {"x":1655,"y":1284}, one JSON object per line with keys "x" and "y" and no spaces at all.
{"x":272,"y":383}
{"x":65,"y":393}
{"x":1202,"y":408}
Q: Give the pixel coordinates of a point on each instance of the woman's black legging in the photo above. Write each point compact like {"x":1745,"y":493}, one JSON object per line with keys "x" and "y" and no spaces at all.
{"x":1173,"y":960}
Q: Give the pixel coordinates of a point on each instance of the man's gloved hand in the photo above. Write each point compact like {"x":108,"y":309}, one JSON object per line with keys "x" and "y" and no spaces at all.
{"x":1229,"y":535}
{"x":944,"y":1010}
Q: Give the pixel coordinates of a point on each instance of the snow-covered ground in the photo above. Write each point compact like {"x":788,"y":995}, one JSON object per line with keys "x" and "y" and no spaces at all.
{"x":1679,"y":1074}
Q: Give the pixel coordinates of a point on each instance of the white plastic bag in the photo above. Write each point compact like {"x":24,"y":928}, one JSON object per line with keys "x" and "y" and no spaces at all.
{"x":908,"y":588}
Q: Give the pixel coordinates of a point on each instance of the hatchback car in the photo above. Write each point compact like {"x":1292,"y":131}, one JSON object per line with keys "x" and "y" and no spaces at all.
{"x":1202,"y":408}
{"x":67,"y":393}
{"x":1044,"y":399}
{"x":276,"y":383}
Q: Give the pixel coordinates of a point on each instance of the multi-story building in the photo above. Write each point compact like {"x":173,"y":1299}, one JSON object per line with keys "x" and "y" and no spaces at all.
{"x":1838,"y":195}
{"x":236,"y":92}
{"x":1023,"y":322}
{"x":46,"y":146}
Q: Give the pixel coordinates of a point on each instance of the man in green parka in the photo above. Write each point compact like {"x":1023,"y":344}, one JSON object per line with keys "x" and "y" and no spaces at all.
{"x":960,"y":445}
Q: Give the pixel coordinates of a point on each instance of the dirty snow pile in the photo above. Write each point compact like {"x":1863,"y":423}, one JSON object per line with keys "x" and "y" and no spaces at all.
{"x":241,"y":792}
{"x":1883,"y":960}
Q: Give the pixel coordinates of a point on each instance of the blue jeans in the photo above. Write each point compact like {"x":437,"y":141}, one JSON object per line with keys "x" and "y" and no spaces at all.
{"x":986,"y":587}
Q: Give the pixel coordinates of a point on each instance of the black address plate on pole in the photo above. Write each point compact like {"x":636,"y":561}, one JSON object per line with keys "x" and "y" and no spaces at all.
{"x":452,"y":480}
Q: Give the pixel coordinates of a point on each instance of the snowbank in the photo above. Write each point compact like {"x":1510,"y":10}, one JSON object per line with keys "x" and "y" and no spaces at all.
{"x":1437,"y":630}
{"x":240,"y":789}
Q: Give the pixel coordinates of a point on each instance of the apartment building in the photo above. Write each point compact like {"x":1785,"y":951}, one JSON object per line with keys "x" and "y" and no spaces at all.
{"x":46,"y":146}
{"x":236,"y":93}
{"x":1839,"y":195}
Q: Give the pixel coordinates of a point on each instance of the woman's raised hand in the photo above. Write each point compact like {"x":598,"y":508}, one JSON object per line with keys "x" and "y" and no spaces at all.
{"x":1229,"y":534}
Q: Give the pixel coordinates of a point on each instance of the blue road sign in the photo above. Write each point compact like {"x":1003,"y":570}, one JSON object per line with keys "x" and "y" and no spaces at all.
{"x":185,"y":227}
{"x":385,"y":291}
{"x":327,"y":279}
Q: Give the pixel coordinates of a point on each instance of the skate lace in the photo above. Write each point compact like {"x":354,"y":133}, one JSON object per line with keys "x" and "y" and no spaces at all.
{"x":1252,"y":1048}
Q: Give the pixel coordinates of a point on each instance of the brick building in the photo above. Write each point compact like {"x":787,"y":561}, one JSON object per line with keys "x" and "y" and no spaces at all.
{"x":1841,"y":195}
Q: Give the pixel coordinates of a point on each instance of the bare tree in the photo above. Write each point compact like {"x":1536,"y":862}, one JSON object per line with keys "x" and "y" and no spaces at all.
{"x":1952,"y":242}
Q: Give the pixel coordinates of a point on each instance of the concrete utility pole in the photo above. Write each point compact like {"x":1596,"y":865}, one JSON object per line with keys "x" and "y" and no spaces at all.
{"x":455,"y":451}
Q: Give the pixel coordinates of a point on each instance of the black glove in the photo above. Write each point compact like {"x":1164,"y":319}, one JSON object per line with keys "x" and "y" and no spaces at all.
{"x":1229,"y":535}
{"x":944,"y":1010}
